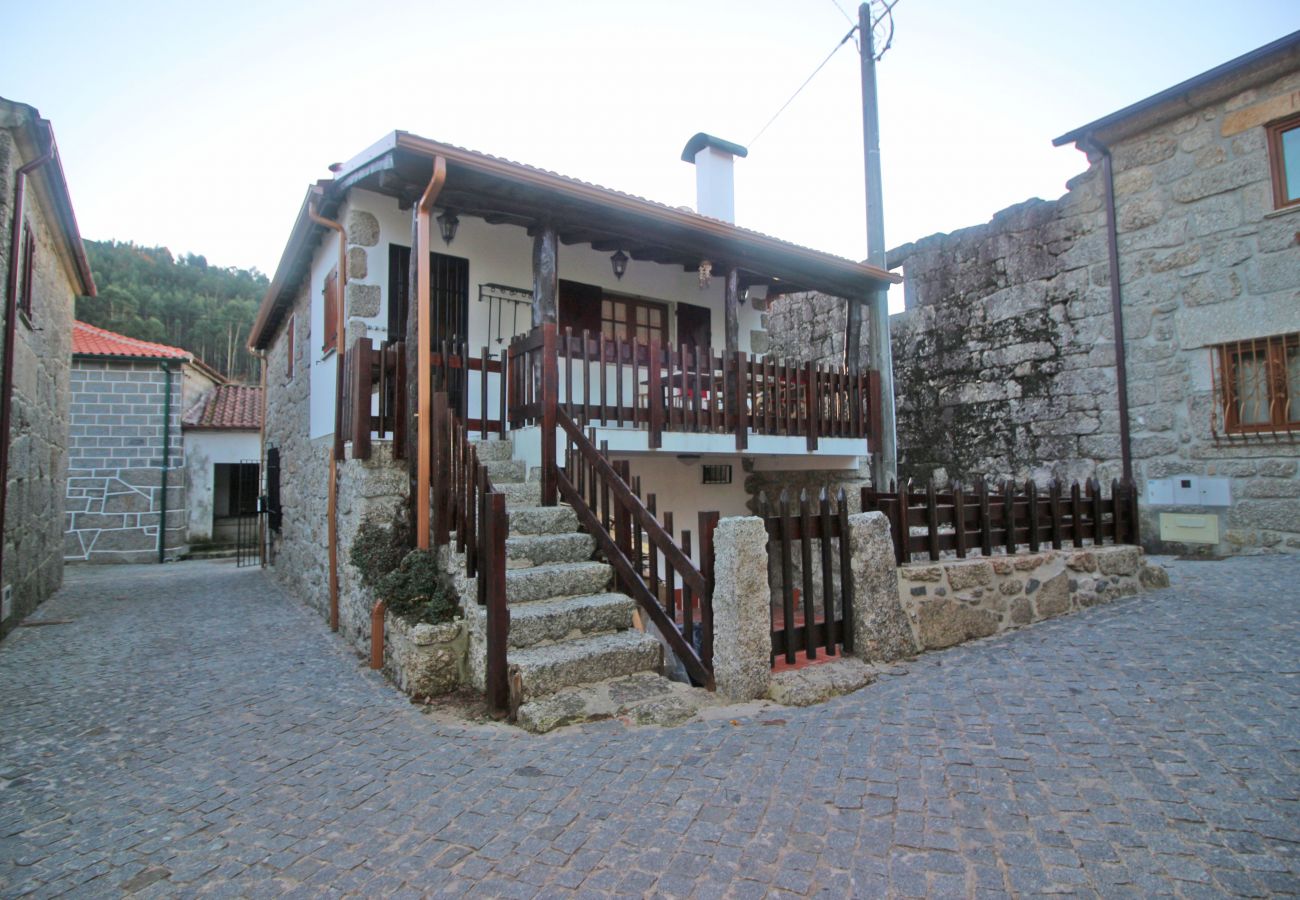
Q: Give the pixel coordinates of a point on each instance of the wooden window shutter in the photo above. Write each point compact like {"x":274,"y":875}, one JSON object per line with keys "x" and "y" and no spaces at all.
{"x":331,"y":330}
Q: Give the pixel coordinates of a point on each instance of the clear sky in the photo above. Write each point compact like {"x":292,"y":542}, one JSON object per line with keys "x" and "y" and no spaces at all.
{"x":198,"y":126}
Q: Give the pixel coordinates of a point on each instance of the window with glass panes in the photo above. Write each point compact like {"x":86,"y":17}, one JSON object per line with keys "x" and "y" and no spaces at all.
{"x":627,"y":318}
{"x":1284,"y":159}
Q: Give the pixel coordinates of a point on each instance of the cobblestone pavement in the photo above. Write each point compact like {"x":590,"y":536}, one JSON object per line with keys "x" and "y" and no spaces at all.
{"x":194,"y":731}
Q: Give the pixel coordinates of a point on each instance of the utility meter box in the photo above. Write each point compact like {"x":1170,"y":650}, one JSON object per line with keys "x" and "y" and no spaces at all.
{"x":1189,"y":529}
{"x":1189,"y":490}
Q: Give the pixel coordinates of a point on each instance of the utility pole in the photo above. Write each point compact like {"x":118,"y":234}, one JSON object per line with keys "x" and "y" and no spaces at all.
{"x":884,"y":458}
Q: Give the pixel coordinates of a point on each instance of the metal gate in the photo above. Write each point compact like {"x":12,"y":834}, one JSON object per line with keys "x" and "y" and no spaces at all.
{"x":251,"y":538}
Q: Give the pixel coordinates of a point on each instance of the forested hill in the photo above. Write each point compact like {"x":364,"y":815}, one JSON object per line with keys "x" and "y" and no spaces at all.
{"x":146,"y":293}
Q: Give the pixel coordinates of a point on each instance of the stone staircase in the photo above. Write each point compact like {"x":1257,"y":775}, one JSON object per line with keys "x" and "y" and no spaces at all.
{"x":575,"y":654}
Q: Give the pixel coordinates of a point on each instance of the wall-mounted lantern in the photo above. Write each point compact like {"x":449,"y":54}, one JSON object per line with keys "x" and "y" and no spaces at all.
{"x":448,"y":222}
{"x":619,"y":263}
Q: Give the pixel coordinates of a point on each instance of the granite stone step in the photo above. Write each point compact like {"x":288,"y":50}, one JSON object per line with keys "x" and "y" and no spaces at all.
{"x":527,"y":550}
{"x":556,"y":580}
{"x":492,"y":450}
{"x":528,"y":493}
{"x":642,"y":699}
{"x":549,"y":621}
{"x":538,"y":671}
{"x":528,"y":520}
{"x":504,"y":471}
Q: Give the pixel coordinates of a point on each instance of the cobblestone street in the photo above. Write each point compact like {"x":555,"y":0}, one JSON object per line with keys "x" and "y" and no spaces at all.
{"x":192,"y":730}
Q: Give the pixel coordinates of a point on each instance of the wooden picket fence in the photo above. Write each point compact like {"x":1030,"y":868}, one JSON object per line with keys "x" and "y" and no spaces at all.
{"x":929,"y":523}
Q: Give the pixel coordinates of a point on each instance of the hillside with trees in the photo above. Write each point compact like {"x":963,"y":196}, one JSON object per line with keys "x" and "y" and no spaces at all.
{"x":146,"y":293}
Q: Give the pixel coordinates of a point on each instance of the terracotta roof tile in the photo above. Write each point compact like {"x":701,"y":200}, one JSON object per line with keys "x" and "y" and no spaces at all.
{"x":87,"y":340}
{"x":227,"y":406}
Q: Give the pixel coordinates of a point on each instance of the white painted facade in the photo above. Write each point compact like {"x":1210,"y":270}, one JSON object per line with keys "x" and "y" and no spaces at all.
{"x":204,"y":450}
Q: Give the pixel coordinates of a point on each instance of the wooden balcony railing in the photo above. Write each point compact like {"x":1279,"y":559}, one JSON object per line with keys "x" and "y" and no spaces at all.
{"x":684,"y":389}
{"x":374,"y":396}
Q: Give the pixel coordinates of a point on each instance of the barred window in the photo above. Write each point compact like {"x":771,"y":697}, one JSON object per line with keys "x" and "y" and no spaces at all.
{"x":1257,"y":387}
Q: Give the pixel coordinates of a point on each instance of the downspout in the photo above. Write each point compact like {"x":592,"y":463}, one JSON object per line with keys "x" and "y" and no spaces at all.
{"x":263,"y":537}
{"x":1116,"y":304}
{"x":166,"y":457}
{"x":333,"y":494}
{"x":11,"y":329}
{"x":424,"y":324}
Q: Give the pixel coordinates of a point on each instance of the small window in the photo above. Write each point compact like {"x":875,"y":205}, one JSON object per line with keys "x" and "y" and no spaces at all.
{"x":331,"y":292}
{"x":715,"y":474}
{"x":27,"y":283}
{"x":1258,"y":385}
{"x":1284,"y":158}
{"x":288,"y":364}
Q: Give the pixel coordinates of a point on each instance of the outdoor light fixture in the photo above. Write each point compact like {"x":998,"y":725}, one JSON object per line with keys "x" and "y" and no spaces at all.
{"x":448,"y":222}
{"x":743,"y":298}
{"x":706,"y":273}
{"x":619,"y":262}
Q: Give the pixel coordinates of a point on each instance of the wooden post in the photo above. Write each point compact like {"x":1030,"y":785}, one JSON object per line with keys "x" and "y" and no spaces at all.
{"x":959,"y":519}
{"x":814,"y":405}
{"x":550,"y":395}
{"x":545,"y":275}
{"x":496,"y":527}
{"x":361,"y":399}
{"x":436,"y":455}
{"x":708,"y":522}
{"x":737,"y":403}
{"x":419,"y":342}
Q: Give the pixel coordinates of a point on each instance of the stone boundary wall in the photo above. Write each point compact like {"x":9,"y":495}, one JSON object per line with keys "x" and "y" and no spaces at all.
{"x":114,"y":493}
{"x":38,"y":449}
{"x":952,"y":601}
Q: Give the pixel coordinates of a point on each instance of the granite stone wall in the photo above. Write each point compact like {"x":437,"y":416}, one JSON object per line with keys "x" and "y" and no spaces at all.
{"x":301,"y":561}
{"x":38,"y":450}
{"x":1005,"y":363}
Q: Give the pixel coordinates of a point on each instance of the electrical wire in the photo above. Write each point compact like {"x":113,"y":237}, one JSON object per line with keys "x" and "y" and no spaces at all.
{"x":844,"y":40}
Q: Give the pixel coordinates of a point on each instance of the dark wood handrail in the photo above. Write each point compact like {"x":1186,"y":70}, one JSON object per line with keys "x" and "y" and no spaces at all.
{"x":629,"y":507}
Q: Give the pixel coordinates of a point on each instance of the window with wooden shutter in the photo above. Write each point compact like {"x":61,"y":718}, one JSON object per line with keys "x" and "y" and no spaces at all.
{"x":27,"y":282}
{"x":331,"y":330}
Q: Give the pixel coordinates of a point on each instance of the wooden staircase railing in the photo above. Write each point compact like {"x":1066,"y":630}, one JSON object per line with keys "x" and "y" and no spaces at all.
{"x":468,"y":510}
{"x":610,"y":510}
{"x":369,"y":370}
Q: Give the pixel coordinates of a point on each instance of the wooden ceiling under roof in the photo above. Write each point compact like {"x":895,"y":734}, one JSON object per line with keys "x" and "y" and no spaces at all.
{"x":500,"y":192}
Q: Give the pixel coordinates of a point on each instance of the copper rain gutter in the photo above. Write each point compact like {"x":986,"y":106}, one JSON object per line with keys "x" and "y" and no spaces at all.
{"x":332,"y":506}
{"x":423,"y":328}
{"x":11,"y":323}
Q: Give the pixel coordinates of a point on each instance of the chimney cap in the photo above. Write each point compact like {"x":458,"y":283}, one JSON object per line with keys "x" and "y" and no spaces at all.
{"x":702,"y":140}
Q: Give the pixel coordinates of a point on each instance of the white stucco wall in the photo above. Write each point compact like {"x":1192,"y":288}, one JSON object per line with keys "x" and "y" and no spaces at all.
{"x":203,"y":451}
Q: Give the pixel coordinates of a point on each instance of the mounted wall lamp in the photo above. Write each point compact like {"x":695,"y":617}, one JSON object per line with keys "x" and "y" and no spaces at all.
{"x":448,"y":222}
{"x":706,"y":273}
{"x":619,"y":262}
{"x":743,"y":297}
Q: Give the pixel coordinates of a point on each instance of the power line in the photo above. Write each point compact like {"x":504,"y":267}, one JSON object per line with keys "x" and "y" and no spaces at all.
{"x":844,"y":40}
{"x":843,"y":13}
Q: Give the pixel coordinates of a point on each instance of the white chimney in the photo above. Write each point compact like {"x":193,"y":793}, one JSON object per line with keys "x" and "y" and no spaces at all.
{"x":715,"y":192}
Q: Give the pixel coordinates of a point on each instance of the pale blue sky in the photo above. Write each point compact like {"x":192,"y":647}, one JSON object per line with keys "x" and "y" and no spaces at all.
{"x":198,"y":126}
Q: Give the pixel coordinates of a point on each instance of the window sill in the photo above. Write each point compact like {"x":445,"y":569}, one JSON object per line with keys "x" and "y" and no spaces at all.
{"x":1283,"y":212}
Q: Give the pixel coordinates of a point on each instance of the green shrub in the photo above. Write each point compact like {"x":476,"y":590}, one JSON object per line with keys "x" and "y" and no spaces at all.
{"x":378,"y":549}
{"x":417,"y":590}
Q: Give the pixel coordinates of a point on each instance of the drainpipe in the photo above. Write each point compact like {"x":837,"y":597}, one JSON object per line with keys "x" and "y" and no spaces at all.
{"x":263,"y":537}
{"x":333,"y":501}
{"x":419,"y":344}
{"x":166,"y":457}
{"x":11,"y":328}
{"x":1116,"y":304}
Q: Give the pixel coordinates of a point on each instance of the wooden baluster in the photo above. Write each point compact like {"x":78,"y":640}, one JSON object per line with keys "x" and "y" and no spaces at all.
{"x":698,"y":399}
{"x":637,"y":416}
{"x":825,"y":521}
{"x":670,"y":574}
{"x":567,"y":339}
{"x":501,"y":388}
{"x":846,"y":571}
{"x":550,"y":398}
{"x":787,"y":576}
{"x":586,"y":379}
{"x":593,"y":478}
{"x":1098,"y":512}
{"x":1054,"y":508}
{"x":708,"y":522}
{"x":1117,"y":513}
{"x":1031,"y":494}
{"x":688,"y":596}
{"x":622,"y":517}
{"x":717,"y":392}
{"x":1076,"y":516}
{"x":483,"y":393}
{"x":655,"y":394}
{"x":638,"y":547}
{"x":959,"y":518}
{"x":606,"y":519}
{"x":653,"y":549}
{"x":1009,"y":515}
{"x":498,"y":613}
{"x":601,"y":351}
{"x":985,"y":518}
{"x":1134,"y":525}
{"x":806,"y":561}
{"x":812,"y":419}
{"x":932,"y":521}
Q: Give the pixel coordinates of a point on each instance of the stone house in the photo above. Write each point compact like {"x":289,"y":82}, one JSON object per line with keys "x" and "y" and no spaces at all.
{"x":126,"y":476}
{"x":223,"y":445}
{"x":1144,"y":325}
{"x":645,"y":315}
{"x":43,"y":269}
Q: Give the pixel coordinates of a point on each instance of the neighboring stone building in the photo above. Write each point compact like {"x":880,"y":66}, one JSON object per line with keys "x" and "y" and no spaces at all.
{"x":43,"y":270}
{"x":127,"y":456}
{"x":1005,"y":358}
{"x":222,"y":474}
